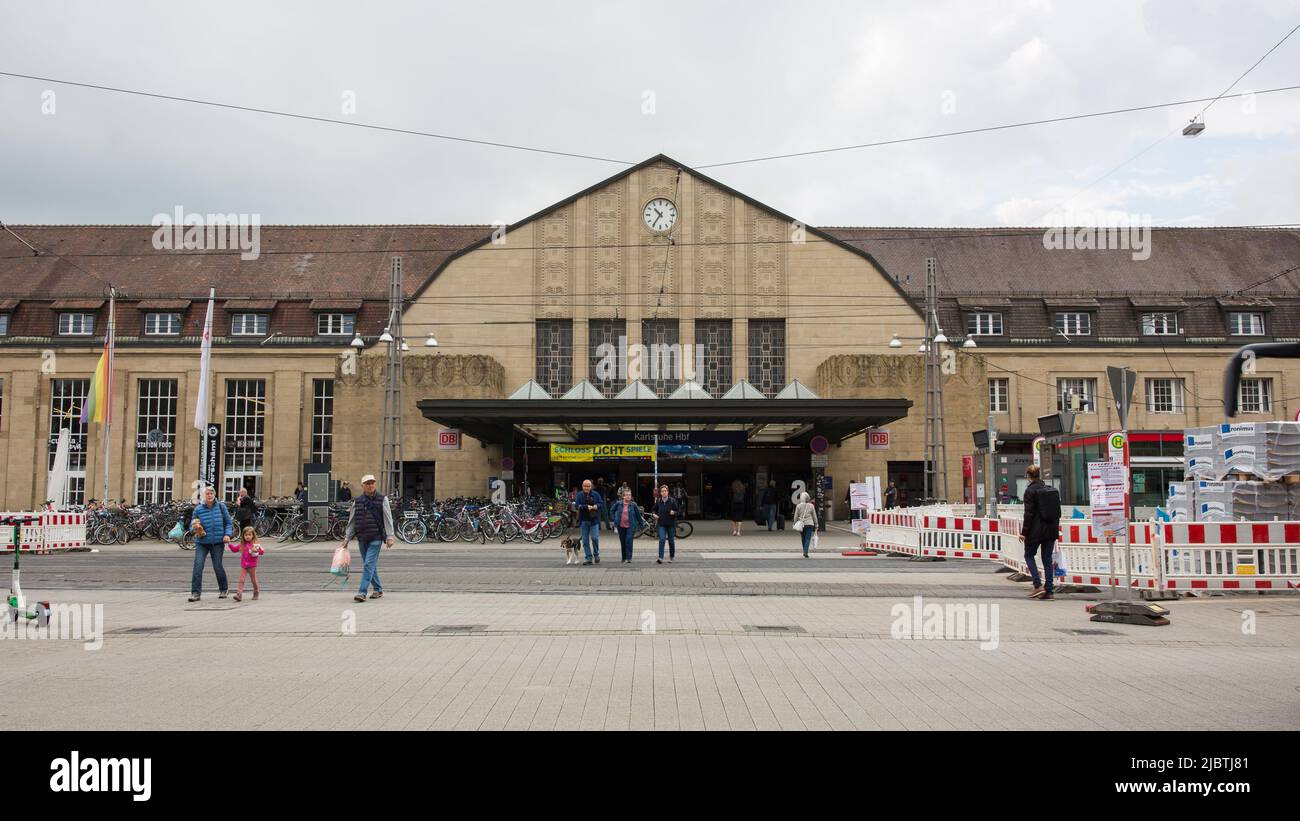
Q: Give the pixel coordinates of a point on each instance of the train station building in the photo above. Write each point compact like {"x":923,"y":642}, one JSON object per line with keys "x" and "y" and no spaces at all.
{"x":657,"y":302}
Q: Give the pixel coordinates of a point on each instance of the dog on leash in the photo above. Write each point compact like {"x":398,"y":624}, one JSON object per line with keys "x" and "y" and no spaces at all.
{"x":572,"y":551}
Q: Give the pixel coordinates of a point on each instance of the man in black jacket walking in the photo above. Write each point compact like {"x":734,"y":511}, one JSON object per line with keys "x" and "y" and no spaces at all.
{"x":1040,"y":529}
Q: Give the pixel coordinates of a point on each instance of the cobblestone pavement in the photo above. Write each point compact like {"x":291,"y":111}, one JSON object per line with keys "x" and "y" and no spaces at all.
{"x":728,"y":637}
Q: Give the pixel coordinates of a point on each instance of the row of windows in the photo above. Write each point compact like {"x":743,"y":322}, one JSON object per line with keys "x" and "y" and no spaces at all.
{"x":1162,"y":395}
{"x":169,"y":324}
{"x":1079,"y":323}
{"x":667,"y":363}
{"x":155,"y":449}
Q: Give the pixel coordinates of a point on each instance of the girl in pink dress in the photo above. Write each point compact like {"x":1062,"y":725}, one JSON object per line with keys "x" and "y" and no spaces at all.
{"x":249,"y":549}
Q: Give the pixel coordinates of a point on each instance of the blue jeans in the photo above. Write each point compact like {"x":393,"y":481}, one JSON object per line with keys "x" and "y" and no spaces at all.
{"x":806,"y":534}
{"x":625,"y":537}
{"x":771,"y":516}
{"x":201,"y":553}
{"x":1032,"y":550}
{"x":590,"y":538}
{"x":370,"y":560}
{"x":668,"y":532}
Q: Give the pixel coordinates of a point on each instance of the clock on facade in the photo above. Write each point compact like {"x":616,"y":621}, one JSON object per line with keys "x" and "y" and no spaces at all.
{"x":660,"y":214}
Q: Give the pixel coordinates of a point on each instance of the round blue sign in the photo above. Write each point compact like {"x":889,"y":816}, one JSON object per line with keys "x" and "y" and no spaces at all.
{"x":819,"y":444}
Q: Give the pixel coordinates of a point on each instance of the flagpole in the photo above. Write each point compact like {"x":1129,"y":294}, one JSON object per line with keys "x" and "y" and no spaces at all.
{"x":108,"y":387}
{"x":201,"y":408}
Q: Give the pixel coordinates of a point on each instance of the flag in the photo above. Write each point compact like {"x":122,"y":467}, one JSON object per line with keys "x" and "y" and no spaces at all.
{"x":97,"y":407}
{"x":205,"y":366}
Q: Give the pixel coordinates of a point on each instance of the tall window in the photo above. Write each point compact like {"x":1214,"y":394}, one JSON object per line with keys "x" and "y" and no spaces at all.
{"x":661,"y":365}
{"x":155,"y":441}
{"x":66,"y":398}
{"x":1074,"y":324}
{"x":76,"y":324}
{"x":999,"y":395}
{"x":554,"y":355}
{"x":1160,"y":324}
{"x":4,"y":324}
{"x":605,"y":354}
{"x":714,"y":337}
{"x":984,"y":324}
{"x":322,"y":420}
{"x":1165,"y":395}
{"x":1246,"y":324}
{"x":245,"y":430}
{"x":162,"y":324}
{"x":335,"y":324}
{"x":1255,"y":396}
{"x":767,"y":355}
{"x":1078,"y":395}
{"x":249,"y":324}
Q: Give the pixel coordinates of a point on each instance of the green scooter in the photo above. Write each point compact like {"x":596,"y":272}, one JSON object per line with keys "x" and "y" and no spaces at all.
{"x":40,"y":611}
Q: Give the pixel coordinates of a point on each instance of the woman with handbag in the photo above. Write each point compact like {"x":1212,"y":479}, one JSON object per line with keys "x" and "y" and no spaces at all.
{"x":805,"y":521}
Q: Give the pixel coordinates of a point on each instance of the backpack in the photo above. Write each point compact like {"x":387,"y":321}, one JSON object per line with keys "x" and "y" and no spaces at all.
{"x":1049,"y":505}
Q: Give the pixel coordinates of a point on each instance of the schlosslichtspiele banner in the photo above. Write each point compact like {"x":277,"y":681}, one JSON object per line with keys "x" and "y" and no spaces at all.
{"x":591,"y":453}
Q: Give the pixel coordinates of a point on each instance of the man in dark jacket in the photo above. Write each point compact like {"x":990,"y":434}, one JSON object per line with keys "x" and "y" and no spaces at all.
{"x":345,"y":492}
{"x":245,"y":510}
{"x":591,"y":509}
{"x":371,"y":522}
{"x":769,"y":503}
{"x":1040,"y":529}
{"x":667,"y":510}
{"x":213,"y":519}
{"x":891,"y":497}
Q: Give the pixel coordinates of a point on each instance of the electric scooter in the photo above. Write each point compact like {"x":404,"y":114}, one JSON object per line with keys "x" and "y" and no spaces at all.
{"x":40,"y":611}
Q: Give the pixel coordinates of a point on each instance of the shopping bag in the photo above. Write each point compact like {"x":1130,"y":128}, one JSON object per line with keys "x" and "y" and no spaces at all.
{"x":813,"y":546}
{"x":176,"y":532}
{"x":342,"y":562}
{"x":1058,"y":561}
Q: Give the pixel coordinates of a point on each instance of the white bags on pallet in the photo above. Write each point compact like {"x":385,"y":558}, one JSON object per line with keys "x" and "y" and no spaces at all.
{"x":1266,"y":450}
{"x":1202,"y":501}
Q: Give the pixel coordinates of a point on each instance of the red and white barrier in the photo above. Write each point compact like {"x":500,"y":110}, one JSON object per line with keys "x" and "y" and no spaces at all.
{"x":1231,"y":556}
{"x":1177,"y":556}
{"x":51,"y":531}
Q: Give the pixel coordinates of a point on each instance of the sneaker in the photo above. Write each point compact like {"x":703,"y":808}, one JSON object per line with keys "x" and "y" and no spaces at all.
{"x":597,"y":560}
{"x":194,"y":597}
{"x":586,"y":564}
{"x":1038,"y":591}
{"x":223,"y":594}
{"x":670,"y":559}
{"x":358,"y":597}
{"x":255,"y":595}
{"x":237,"y":597}
{"x":659,"y":561}
{"x":1047,"y":597}
{"x":378,"y":594}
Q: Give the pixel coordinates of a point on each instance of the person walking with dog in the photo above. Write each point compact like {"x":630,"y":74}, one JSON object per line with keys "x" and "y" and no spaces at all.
{"x":213,"y":527}
{"x":1040,"y":529}
{"x":627,"y":516}
{"x":591,"y":507}
{"x":371,"y":523}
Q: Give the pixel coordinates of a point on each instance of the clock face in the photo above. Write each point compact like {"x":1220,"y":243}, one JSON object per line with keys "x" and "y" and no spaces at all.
{"x":660,"y":214}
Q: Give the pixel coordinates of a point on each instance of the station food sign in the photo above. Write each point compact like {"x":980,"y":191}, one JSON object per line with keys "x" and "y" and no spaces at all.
{"x":592,"y":453}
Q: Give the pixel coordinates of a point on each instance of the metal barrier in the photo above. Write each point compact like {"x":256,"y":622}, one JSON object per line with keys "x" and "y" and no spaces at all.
{"x":1177,"y":557}
{"x":56,"y":531}
{"x":1231,"y":556}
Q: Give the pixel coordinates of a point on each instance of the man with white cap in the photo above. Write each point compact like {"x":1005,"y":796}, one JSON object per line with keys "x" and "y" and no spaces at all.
{"x":371,"y":522}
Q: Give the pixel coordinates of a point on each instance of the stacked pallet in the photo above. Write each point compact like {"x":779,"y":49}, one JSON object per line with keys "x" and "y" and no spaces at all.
{"x":1245,"y":471}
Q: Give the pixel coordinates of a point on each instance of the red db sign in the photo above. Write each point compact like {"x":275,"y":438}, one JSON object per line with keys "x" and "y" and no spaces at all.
{"x":448,"y":440}
{"x":877,"y":440}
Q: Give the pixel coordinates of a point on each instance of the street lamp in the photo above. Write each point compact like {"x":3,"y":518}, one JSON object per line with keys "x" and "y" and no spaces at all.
{"x":405,"y":347}
{"x":431,"y":342}
{"x":357,"y":341}
{"x":385,"y":336}
{"x":895,"y":342}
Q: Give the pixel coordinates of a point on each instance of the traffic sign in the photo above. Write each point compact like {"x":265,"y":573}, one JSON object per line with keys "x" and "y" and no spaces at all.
{"x":819,"y":444}
{"x":820,"y":460}
{"x":507,"y":463}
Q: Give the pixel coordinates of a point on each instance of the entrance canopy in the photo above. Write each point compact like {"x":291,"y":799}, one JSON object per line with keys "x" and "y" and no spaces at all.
{"x":777,"y":421}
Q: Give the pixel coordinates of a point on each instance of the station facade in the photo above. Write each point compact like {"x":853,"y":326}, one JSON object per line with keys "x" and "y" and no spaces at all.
{"x":556,"y":329}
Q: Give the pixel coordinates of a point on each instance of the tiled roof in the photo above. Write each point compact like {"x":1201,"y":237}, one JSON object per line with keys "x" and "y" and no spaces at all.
{"x":307,"y":262}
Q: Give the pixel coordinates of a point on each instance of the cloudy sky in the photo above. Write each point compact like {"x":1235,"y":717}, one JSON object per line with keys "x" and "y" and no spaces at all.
{"x":725,"y":81}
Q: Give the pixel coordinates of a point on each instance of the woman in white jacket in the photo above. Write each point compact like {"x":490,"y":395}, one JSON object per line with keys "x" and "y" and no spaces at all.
{"x":805,"y":517}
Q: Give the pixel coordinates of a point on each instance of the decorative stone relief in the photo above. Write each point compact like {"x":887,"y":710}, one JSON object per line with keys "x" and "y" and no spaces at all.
{"x":766,"y":258}
{"x":713,"y":250}
{"x":607,"y":254}
{"x":553,"y":264}
{"x":477,"y":371}
{"x":888,"y":371}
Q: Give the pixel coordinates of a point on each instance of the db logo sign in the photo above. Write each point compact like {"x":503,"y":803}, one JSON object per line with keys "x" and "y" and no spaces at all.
{"x":878,"y":440}
{"x":448,"y":440}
